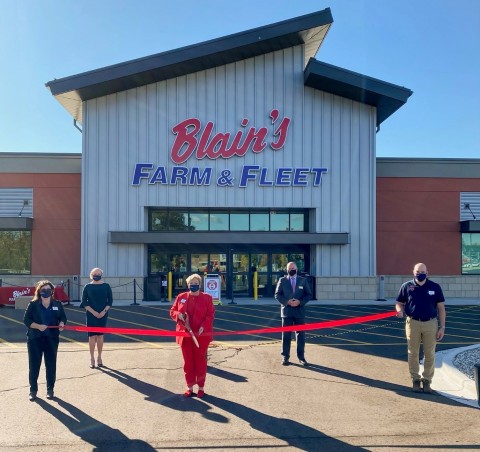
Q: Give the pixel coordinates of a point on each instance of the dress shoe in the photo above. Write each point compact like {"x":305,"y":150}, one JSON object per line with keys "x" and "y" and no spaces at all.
{"x":32,"y":396}
{"x":303,"y":362}
{"x":285,"y":362}
{"x":50,"y":394}
{"x":201,"y":393}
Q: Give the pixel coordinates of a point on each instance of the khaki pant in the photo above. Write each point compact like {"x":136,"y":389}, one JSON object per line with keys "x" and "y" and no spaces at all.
{"x":426,"y":333}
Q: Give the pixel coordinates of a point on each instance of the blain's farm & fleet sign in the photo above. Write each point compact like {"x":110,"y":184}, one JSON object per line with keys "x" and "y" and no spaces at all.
{"x":194,"y":142}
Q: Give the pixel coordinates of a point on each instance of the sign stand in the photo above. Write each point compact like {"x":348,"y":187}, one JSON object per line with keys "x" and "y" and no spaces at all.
{"x":212,"y":285}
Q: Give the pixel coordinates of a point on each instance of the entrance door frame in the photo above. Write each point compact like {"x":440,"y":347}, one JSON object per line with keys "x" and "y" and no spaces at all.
{"x":230,"y":250}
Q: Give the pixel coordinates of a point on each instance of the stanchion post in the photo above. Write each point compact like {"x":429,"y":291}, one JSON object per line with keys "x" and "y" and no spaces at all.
{"x":233,"y":291}
{"x":134,"y":293}
{"x":476,"y":374}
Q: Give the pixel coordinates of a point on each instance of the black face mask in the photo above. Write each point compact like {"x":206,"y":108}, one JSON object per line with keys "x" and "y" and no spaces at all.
{"x":292,"y":272}
{"x":46,"y":293}
{"x":421,"y":277}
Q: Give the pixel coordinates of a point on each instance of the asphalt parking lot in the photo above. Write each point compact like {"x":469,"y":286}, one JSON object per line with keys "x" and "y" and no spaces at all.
{"x":355,"y":395}
{"x":382,"y":338}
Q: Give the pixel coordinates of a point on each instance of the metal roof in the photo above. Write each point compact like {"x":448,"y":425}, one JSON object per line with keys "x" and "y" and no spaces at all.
{"x":309,"y":30}
{"x":386,"y":97}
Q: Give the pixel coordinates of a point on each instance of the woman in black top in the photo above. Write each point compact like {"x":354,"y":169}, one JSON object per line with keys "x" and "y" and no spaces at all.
{"x":43,"y":312}
{"x":97,"y":300}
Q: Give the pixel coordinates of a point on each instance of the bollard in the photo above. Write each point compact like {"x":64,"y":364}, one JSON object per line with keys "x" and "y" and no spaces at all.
{"x":134,"y":293}
{"x":476,"y":375}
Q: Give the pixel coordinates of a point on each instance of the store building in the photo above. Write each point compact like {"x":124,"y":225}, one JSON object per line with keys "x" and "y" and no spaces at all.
{"x":239,"y":154}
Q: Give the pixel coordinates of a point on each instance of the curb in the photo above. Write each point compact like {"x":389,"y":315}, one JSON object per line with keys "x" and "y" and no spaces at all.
{"x":451,"y":382}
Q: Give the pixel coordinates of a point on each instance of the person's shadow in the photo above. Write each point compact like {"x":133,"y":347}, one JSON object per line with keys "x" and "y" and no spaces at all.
{"x":101,"y":436}
{"x":230,"y":376}
{"x":164,"y":397}
{"x":294,"y":433}
{"x":403,"y":391}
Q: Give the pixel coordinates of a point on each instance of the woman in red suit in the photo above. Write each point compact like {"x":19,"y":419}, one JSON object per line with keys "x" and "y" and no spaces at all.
{"x":194,"y":312}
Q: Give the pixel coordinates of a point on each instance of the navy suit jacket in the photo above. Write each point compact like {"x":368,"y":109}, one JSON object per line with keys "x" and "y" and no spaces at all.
{"x":284,"y":292}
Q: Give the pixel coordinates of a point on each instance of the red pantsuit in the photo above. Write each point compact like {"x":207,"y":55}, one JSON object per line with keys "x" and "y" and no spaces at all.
{"x":201,"y":312}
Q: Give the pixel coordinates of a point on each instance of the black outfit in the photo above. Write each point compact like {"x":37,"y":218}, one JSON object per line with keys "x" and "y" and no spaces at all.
{"x":43,"y":343}
{"x":293,"y":315}
{"x":98,"y":297}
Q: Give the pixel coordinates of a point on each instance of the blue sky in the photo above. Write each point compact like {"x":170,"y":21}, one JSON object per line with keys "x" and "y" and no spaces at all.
{"x":429,"y":46}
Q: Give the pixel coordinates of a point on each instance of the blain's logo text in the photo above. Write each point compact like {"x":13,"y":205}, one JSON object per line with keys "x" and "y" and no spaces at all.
{"x":192,"y":139}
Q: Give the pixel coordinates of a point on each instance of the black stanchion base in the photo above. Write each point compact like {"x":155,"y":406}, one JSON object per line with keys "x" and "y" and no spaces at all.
{"x":231,"y":302}
{"x":135,"y":304}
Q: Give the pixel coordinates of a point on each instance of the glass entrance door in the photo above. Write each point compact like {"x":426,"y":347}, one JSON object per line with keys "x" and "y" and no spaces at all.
{"x":236,"y":267}
{"x":241,"y":274}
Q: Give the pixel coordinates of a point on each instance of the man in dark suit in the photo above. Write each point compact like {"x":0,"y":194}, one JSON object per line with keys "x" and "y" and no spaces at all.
{"x":293,"y":292}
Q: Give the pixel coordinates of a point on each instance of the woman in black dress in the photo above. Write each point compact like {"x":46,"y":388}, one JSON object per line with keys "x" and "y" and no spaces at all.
{"x":97,"y":300}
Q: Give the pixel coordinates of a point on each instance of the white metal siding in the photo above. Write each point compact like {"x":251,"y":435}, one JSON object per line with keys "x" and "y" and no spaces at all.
{"x":126,"y":128}
{"x":471,"y":198}
{"x":12,"y":202}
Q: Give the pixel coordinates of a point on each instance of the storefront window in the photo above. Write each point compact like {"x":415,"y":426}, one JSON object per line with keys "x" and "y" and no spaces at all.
{"x":159,"y":221}
{"x":299,"y":260}
{"x":199,"y":263}
{"x":259,"y":221}
{"x":297,"y":221}
{"x":228,"y":220}
{"x":239,"y":222}
{"x":279,"y":221}
{"x":471,"y":254}
{"x":15,"y":252}
{"x":198,"y":221}
{"x":260,"y":262}
{"x":279,"y":263}
{"x":219,"y":221}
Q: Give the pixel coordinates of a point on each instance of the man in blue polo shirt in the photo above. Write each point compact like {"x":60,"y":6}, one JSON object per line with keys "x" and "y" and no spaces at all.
{"x":422,"y":302}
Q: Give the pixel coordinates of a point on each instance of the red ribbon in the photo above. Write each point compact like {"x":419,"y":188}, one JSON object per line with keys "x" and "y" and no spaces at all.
{"x":306,"y":327}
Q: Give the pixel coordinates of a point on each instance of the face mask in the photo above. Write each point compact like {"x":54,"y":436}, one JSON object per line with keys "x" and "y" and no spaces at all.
{"x":97,"y":277}
{"x":292,"y":272}
{"x":46,"y":293}
{"x":194,"y":287}
{"x":421,"y":277}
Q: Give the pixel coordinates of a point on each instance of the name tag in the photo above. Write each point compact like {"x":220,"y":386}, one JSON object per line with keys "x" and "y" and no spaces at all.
{"x":55,"y":308}
{"x":183,"y":300}
{"x":431,"y":292}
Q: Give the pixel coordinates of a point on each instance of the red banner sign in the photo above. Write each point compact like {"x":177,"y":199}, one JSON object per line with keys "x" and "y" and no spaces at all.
{"x":8,"y":294}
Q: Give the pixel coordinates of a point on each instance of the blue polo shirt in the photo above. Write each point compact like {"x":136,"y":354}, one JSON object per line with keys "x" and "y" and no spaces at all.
{"x":421,"y":301}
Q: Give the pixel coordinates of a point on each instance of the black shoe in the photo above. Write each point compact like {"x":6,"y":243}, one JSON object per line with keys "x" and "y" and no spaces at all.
{"x":50,"y":395}
{"x":285,"y":362}
{"x":32,"y":396}
{"x":303,"y":362}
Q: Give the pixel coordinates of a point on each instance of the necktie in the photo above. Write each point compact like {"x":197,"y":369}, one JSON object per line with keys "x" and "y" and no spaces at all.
{"x":293,"y":284}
